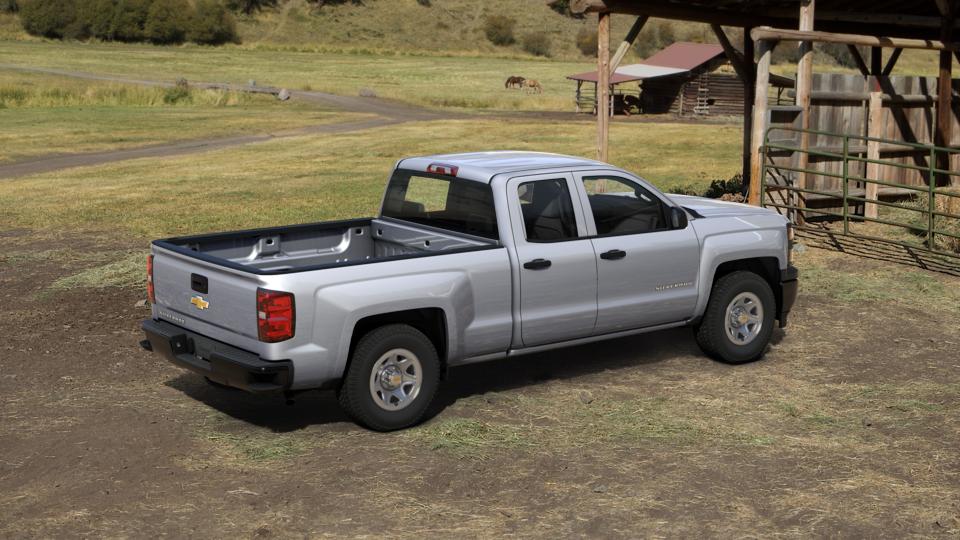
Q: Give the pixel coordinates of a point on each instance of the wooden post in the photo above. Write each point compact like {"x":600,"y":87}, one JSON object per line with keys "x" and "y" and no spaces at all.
{"x":627,"y":42}
{"x":603,"y":84}
{"x":874,"y":129}
{"x":804,"y":86}
{"x":876,"y":61}
{"x":750,"y":70}
{"x":944,"y":98}
{"x":759,"y":121}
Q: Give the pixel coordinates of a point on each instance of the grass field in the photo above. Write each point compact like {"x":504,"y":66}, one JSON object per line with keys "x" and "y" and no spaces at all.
{"x":334,"y":176}
{"x":45,"y":114}
{"x":437,"y":81}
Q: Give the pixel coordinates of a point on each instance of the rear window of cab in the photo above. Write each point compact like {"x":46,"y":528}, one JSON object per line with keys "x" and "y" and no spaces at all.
{"x":441,"y":201}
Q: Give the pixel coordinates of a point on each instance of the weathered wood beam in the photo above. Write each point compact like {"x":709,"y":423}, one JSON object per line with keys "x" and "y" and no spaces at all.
{"x":944,"y":127}
{"x":804,"y":87}
{"x":733,"y":55}
{"x":892,"y":61}
{"x":750,"y":69}
{"x":874,"y":131}
{"x":944,"y":7}
{"x":762,"y":82}
{"x":603,"y":84}
{"x":667,"y":10}
{"x":854,"y":39}
{"x":876,"y":61}
{"x":854,"y":22}
{"x":627,"y":42}
{"x":858,"y":59}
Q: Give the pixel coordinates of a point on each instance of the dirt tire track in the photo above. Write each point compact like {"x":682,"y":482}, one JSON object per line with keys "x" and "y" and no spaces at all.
{"x":387,"y":112}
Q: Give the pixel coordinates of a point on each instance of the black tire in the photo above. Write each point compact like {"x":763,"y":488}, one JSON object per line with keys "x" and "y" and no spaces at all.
{"x":355,"y":393}
{"x":712,"y":334}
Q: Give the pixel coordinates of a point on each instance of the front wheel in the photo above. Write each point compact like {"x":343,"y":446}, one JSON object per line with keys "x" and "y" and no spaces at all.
{"x":738,"y":321}
{"x":393,"y":375}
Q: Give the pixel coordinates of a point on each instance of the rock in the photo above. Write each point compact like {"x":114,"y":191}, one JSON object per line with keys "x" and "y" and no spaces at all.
{"x":367,"y":92}
{"x":586,"y":398}
{"x":283,"y":95}
{"x":799,"y":248}
{"x":140,"y":303}
{"x":600,"y":489}
{"x":251,"y":82}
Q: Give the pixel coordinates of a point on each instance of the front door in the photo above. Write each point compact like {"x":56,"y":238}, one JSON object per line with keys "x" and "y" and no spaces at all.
{"x":646,"y":270}
{"x":557,"y":266}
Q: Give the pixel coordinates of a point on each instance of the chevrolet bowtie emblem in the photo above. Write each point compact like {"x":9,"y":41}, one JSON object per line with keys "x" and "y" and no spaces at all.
{"x":199,"y":302}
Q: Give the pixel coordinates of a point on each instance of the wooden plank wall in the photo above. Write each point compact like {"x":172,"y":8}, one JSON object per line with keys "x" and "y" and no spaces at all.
{"x":911,"y":122}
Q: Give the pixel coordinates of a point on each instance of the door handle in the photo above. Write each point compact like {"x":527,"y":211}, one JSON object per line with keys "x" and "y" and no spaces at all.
{"x":537,"y":264}
{"x":613,"y":254}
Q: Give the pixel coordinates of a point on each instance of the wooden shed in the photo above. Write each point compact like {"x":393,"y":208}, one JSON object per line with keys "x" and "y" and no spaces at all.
{"x":686,"y":79}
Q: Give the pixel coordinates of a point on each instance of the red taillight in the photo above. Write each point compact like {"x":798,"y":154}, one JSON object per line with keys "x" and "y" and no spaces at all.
{"x":276,"y":318}
{"x":151,"y":295}
{"x":440,"y":168}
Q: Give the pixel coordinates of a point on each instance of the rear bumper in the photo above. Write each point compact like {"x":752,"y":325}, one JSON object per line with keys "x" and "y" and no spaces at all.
{"x":789,"y":286}
{"x":216,"y":360}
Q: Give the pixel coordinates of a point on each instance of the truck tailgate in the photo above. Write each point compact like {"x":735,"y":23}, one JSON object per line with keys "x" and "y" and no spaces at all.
{"x":196,"y":294}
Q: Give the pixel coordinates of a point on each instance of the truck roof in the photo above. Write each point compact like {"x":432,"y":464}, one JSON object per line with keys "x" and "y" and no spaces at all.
{"x":482,"y":166}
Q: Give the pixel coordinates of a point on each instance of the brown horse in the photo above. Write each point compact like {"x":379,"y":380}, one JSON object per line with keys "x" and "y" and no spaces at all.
{"x":514,"y":82}
{"x":532,"y":86}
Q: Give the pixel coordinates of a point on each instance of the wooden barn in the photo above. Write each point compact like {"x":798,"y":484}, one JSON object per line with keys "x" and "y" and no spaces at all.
{"x":686,"y":79}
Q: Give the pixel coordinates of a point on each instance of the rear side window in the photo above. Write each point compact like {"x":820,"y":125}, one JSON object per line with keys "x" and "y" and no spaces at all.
{"x":547,"y":210}
{"x":444,"y":202}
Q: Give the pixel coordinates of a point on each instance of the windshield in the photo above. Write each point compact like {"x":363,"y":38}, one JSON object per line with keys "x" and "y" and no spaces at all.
{"x":441,"y":201}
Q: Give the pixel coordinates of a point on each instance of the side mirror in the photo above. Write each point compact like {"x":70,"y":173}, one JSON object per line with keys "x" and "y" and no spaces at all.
{"x":678,"y":218}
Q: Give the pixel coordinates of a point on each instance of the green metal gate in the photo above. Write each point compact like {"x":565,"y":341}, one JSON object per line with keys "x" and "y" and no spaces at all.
{"x":937,"y":222}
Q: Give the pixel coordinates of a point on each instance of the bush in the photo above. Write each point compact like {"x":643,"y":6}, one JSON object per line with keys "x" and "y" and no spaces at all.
{"x":96,"y":17}
{"x":47,"y":18}
{"x":499,"y":29}
{"x":167,"y":21}
{"x":212,"y":24}
{"x":587,"y":41}
{"x":180,"y":91}
{"x":9,"y":6}
{"x":249,"y":6}
{"x":129,"y":19}
{"x":839,"y":53}
{"x":719,"y":188}
{"x":537,"y":43}
{"x":563,"y":7}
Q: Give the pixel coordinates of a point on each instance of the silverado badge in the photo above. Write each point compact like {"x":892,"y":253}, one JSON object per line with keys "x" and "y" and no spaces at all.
{"x":199,"y":302}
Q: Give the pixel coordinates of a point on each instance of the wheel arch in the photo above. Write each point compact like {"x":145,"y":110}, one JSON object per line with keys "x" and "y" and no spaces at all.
{"x":432,"y":321}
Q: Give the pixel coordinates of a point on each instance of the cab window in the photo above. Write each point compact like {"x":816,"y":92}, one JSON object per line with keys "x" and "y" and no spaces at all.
{"x":442,"y":201}
{"x":547,"y":210}
{"x":620,"y":206}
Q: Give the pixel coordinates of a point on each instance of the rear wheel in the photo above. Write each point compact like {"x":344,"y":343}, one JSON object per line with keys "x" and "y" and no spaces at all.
{"x":393,"y":375}
{"x":738,"y":321}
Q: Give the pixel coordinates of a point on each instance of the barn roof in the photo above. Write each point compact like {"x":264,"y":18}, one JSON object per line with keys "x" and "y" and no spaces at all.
{"x":893,"y":18}
{"x":685,"y":56}
{"x":677,"y":58}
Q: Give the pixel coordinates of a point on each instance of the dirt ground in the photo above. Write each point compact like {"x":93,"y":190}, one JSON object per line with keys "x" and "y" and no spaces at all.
{"x":848,"y":428}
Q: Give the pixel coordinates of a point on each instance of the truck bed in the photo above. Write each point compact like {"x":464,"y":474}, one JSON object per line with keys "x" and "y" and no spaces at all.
{"x":314,"y":246}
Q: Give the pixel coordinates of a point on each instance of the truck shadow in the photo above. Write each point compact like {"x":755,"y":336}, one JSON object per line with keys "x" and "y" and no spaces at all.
{"x":319,"y":408}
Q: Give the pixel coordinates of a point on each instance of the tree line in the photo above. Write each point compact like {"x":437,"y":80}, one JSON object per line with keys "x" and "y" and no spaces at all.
{"x":158,"y":21}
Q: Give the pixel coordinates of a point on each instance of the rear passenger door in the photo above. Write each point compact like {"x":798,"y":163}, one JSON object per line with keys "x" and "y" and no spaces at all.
{"x":646,"y":270}
{"x":556,"y":263}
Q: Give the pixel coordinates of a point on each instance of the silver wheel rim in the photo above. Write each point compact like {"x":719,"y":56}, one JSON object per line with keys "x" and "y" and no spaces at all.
{"x":395,"y":379}
{"x":744,"y":318}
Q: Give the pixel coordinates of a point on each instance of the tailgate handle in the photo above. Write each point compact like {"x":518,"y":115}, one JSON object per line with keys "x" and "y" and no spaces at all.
{"x":199,"y":283}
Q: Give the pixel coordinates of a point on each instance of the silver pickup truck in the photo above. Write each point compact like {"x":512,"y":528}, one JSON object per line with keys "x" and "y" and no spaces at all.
{"x":474,"y":257}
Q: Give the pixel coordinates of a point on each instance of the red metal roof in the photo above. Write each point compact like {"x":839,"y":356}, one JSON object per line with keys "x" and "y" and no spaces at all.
{"x":685,"y":55}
